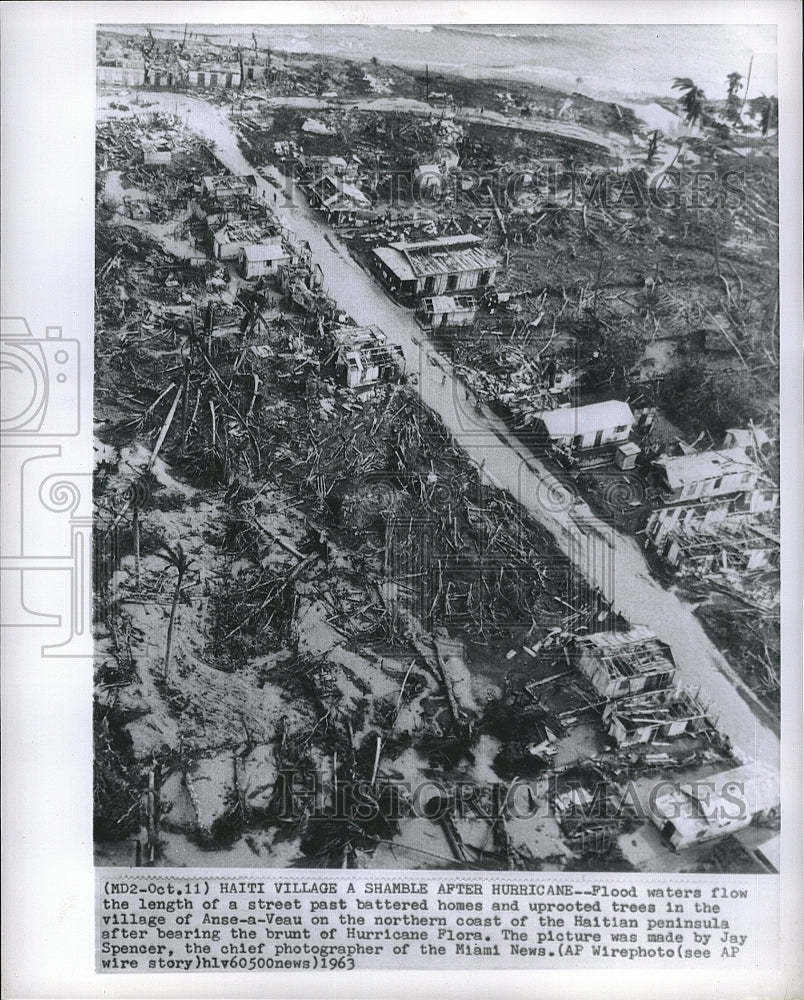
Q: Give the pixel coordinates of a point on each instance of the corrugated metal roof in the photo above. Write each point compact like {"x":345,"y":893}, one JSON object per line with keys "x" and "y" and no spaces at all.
{"x":394,"y":260}
{"x":572,"y":420}
{"x":683,"y":469}
{"x":446,"y":255}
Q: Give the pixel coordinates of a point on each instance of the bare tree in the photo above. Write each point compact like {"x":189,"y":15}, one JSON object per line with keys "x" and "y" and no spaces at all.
{"x":177,"y":558}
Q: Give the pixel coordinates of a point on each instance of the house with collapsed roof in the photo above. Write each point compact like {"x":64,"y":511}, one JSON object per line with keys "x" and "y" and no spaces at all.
{"x":657,"y":715}
{"x":712,"y":807}
{"x":447,"y":310}
{"x":338,"y":199}
{"x":583,"y":428}
{"x":435,"y":267}
{"x":363,"y":358}
{"x":427,"y":179}
{"x":164,"y":75}
{"x":622,"y":664}
{"x":706,"y":474}
{"x":228,"y":238}
{"x":712,"y":537}
{"x":221,"y":191}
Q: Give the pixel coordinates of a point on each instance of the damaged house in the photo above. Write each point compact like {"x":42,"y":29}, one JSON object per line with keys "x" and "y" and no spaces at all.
{"x":622,"y":664}
{"x":448,"y":310}
{"x":657,"y":715}
{"x":214,"y":76}
{"x":121,"y":72}
{"x":703,"y":539}
{"x":156,"y":154}
{"x":363,"y":358}
{"x":706,"y":475}
{"x":227,"y":240}
{"x":435,"y":267}
{"x":220,"y":194}
{"x":338,"y":199}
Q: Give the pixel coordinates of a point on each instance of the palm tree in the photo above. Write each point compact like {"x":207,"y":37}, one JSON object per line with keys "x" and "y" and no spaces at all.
{"x":734,"y":82}
{"x":769,"y":114}
{"x":692,"y":98}
{"x":176,"y":557}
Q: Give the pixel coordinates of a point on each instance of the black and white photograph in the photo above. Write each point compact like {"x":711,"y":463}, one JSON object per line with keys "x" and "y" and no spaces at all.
{"x":436,"y":406}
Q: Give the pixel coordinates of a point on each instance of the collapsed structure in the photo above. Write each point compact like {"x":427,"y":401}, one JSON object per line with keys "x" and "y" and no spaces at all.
{"x":706,"y":474}
{"x":364,"y":359}
{"x":625,"y":663}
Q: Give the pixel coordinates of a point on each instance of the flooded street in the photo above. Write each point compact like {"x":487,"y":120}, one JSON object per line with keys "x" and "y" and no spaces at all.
{"x":607,"y":558}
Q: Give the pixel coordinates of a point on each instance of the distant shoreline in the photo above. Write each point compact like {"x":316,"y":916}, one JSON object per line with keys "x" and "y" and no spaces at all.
{"x":533,"y":61}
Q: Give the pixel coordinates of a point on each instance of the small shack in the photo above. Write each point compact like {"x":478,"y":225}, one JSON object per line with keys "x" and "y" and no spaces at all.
{"x":715,"y":806}
{"x":259,"y":260}
{"x":657,"y":715}
{"x":582,"y":428}
{"x":621,"y":664}
{"x":364,"y":359}
{"x":448,"y":310}
{"x":706,"y":474}
{"x":156,"y":154}
{"x":338,"y":199}
{"x":435,"y":267}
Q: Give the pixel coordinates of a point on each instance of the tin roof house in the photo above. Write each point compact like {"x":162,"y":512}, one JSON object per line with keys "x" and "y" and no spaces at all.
{"x":706,"y":474}
{"x":258,"y":260}
{"x":584,"y":428}
{"x":435,"y":267}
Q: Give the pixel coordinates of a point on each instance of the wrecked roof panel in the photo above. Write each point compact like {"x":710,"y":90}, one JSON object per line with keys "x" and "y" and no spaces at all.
{"x":683,"y":469}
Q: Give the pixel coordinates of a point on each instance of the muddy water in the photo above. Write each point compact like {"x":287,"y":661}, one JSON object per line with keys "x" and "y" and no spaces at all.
{"x":611,"y":560}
